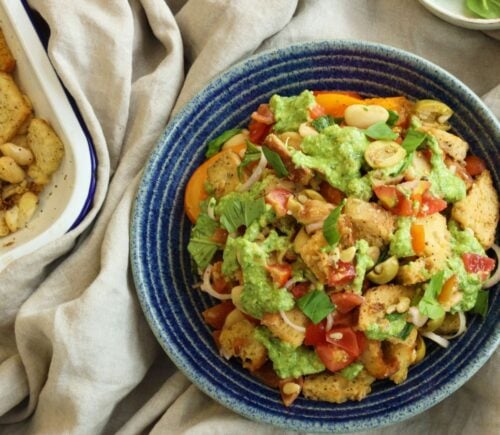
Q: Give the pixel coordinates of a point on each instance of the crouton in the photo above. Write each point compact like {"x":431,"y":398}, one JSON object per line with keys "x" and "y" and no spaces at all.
{"x":283,"y":331}
{"x":238,"y":340}
{"x":452,"y":145}
{"x":309,"y":248}
{"x":7,"y":61}
{"x":377,"y":300}
{"x":479,"y":210}
{"x":413,"y":273}
{"x":376,"y":363}
{"x":222,"y":175}
{"x":369,"y":221}
{"x":333,"y":387}
{"x":450,"y":325}
{"x":311,"y":211}
{"x":405,"y":354}
{"x":14,"y":109}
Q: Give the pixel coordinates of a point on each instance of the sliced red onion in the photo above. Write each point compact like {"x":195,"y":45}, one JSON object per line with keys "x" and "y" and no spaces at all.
{"x":290,"y":323}
{"x":288,"y":285}
{"x":443,"y":342}
{"x":416,"y":317}
{"x":206,"y":286}
{"x":310,"y":228}
{"x":255,"y":175}
{"x":329,"y":322}
{"x":461,"y":328}
{"x":495,"y":278}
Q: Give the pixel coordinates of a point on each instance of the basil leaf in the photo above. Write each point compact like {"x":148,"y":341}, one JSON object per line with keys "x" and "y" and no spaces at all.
{"x":330,"y":230}
{"x":275,"y":161}
{"x":485,"y":8}
{"x":393,"y":118}
{"x":240,"y":211}
{"x":429,"y":305}
{"x":252,"y":154}
{"x":481,"y":306}
{"x":380,"y":131}
{"x":316,"y":305}
{"x":405,"y":333}
{"x":324,"y":121}
{"x":201,"y":246}
{"x":215,"y":145}
{"x":413,"y":140}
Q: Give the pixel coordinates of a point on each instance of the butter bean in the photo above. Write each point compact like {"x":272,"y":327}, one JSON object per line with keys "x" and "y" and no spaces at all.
{"x":361,"y":116}
{"x":22,"y":156}
{"x":10,"y":171}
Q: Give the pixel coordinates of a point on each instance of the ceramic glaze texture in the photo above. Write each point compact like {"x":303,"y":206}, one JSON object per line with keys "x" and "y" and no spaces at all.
{"x":160,"y":232}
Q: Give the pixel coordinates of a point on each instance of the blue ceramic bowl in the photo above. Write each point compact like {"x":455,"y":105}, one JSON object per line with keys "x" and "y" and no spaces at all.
{"x":160,"y":231}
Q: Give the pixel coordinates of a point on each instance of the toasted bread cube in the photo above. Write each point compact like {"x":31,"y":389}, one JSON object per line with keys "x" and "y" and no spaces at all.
{"x":238,"y":340}
{"x":282,"y":330}
{"x":479,"y":210}
{"x":46,"y":146}
{"x":223,"y":173}
{"x":7,"y":61}
{"x":378,"y":300}
{"x":405,"y":354}
{"x":451,"y":144}
{"x":14,"y":109}
{"x":370,"y":221}
{"x":333,"y":387}
{"x":414,"y":272}
{"x":310,"y":250}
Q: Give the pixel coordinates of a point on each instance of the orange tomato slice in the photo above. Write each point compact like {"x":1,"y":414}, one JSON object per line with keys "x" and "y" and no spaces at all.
{"x":335,"y":103}
{"x":195,"y":189}
{"x":418,"y":238}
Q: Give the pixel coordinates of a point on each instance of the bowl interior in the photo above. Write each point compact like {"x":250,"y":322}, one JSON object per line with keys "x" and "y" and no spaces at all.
{"x":160,"y":232}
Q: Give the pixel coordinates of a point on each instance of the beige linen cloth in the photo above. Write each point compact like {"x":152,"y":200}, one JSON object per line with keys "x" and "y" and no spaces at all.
{"x":76,"y":354}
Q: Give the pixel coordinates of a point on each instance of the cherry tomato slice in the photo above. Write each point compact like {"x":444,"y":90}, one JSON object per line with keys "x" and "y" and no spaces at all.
{"x":345,"y":338}
{"x":474,"y":165}
{"x":216,"y":315}
{"x":278,"y":199}
{"x":333,"y":357}
{"x":481,"y":264}
{"x":300,"y":289}
{"x":315,"y":334}
{"x":345,"y":301}
{"x":343,"y":273}
{"x":280,"y":273}
{"x":258,"y":131}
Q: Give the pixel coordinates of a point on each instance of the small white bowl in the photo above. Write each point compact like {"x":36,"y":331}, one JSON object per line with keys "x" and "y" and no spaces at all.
{"x":456,"y":12}
{"x":67,"y":198}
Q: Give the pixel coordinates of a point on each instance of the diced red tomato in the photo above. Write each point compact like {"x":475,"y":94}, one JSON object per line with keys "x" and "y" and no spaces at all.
{"x":280,"y":273}
{"x":343,"y":273}
{"x":345,"y":338}
{"x":263,"y":115}
{"x":474,"y":165}
{"x":345,"y":319}
{"x":258,"y":131}
{"x":300,"y":289}
{"x":333,"y":357}
{"x":216,"y":315}
{"x":278,"y":199}
{"x":315,"y":334}
{"x":345,"y":301}
{"x":330,"y":193}
{"x":316,"y":111}
{"x":475,"y":263}
{"x":220,"y":235}
{"x":431,"y":205}
{"x":387,"y":195}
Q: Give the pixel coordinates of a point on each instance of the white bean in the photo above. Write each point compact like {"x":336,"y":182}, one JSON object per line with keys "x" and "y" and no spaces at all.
{"x":361,"y":116}
{"x":237,"y":139}
{"x":306,"y":130}
{"x":11,"y":218}
{"x":27,"y":206}
{"x":22,"y":156}
{"x":10,"y":171}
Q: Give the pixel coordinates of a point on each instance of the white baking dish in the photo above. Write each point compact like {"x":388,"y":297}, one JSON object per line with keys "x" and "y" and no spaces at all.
{"x":68,"y":196}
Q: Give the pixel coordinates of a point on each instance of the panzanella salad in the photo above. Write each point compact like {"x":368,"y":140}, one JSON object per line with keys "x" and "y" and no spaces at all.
{"x":337,"y":232}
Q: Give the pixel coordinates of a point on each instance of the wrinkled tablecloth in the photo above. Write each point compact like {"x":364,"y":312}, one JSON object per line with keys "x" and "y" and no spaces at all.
{"x":76,"y":354}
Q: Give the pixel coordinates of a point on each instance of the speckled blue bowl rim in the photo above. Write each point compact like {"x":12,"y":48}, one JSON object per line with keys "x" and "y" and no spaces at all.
{"x":422,"y":403}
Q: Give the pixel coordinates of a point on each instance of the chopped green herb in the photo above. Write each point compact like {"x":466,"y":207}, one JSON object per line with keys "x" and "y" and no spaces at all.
{"x":316,"y":305}
{"x":413,"y":140}
{"x":323,"y":121}
{"x":215,"y":145}
{"x":275,"y":161}
{"x":252,"y":154}
{"x":240,"y":211}
{"x":330,"y":230}
{"x":380,"y":131}
{"x":429,"y":305}
{"x":352,"y":370}
{"x":201,"y":245}
{"x":393,"y":118}
{"x":481,"y":306}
